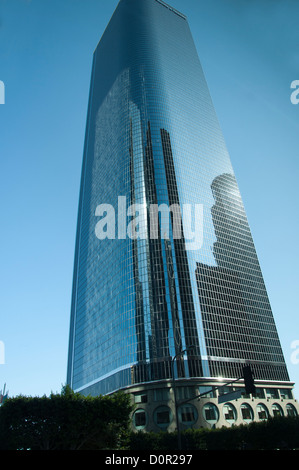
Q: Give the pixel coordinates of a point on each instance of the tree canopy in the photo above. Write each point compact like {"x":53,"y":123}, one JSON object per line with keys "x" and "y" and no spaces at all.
{"x":66,"y":421}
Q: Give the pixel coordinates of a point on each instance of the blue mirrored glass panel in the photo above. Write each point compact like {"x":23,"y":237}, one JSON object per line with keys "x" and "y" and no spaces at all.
{"x":165,"y":260}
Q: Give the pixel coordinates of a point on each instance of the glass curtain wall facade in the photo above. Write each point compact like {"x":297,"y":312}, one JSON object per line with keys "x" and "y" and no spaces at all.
{"x":144,"y":291}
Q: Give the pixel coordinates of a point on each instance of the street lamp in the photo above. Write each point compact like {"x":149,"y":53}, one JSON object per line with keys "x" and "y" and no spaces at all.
{"x":175,"y":397}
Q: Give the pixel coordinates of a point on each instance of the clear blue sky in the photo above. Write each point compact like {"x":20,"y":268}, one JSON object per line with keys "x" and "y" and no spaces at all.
{"x":250,"y":55}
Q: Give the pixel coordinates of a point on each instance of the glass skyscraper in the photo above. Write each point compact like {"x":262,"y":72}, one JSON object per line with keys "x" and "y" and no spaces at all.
{"x":167,"y":284}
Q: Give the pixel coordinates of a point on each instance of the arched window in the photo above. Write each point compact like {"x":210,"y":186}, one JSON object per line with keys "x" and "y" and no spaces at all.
{"x":211,"y":413}
{"x":277,"y":410}
{"x":187,"y":414}
{"x":230,"y":413}
{"x":262,"y":412}
{"x":291,"y":410}
{"x":140,"y":419}
{"x":246,"y":412}
{"x":163,"y":416}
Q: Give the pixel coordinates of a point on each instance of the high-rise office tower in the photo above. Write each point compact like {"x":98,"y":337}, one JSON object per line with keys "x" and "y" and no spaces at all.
{"x":167,"y":284}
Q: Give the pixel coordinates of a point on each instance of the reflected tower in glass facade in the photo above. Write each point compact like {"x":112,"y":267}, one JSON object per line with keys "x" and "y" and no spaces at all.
{"x":167,"y":283}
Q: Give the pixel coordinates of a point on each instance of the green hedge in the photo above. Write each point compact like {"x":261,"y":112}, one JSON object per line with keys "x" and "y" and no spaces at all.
{"x":275,"y":433}
{"x":66,"y":421}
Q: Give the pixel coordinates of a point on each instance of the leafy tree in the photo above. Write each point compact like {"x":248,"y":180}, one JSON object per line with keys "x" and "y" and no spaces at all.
{"x":66,"y":421}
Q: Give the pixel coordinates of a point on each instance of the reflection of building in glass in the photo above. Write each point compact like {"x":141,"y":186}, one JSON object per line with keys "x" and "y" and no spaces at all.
{"x":152,"y":138}
{"x":236,"y":312}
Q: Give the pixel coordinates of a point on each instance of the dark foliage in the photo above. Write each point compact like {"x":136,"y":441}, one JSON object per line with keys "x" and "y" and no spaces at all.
{"x":66,"y":421}
{"x":275,"y":433}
